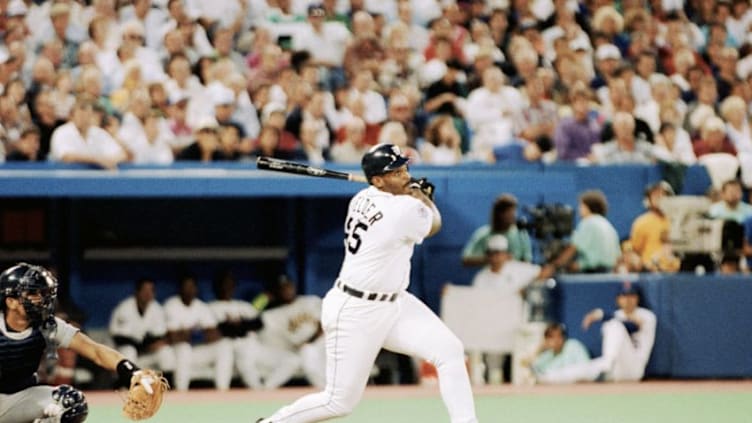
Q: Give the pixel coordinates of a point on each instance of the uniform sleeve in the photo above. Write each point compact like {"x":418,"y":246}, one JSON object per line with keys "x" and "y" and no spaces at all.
{"x":417,"y":218}
{"x":64,"y":333}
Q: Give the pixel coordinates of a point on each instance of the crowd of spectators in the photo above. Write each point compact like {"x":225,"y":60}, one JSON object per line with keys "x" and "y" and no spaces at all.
{"x":152,"y":81}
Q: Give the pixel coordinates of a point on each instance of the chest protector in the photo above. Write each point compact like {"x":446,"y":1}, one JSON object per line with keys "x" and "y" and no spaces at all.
{"x":19,"y":360}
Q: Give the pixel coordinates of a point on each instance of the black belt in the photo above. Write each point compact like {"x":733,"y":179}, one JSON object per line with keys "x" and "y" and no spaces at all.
{"x":371,"y":296}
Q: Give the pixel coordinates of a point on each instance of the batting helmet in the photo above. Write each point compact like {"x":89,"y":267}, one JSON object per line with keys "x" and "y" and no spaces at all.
{"x":23,"y":280}
{"x":382,"y":158}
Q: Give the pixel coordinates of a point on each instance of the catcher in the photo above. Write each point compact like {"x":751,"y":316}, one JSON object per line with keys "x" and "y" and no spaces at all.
{"x":29,"y":333}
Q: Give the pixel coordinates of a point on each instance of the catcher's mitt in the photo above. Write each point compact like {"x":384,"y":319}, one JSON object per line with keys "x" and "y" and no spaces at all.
{"x":145,"y":394}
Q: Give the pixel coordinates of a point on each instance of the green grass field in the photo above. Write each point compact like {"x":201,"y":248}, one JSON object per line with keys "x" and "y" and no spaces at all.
{"x":684,"y":407}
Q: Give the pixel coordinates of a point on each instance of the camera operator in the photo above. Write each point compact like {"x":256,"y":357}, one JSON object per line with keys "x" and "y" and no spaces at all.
{"x":503,"y":222}
{"x":650,"y":233}
{"x":594,"y":247}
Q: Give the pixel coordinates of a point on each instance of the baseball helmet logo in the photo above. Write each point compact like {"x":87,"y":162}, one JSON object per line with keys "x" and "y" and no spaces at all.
{"x":382,"y":158}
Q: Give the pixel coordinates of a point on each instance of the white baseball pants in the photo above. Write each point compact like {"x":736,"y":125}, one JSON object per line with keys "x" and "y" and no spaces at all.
{"x":355,"y":330}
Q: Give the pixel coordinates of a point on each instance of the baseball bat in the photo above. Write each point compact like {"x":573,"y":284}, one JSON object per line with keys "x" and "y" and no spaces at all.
{"x":286,"y":166}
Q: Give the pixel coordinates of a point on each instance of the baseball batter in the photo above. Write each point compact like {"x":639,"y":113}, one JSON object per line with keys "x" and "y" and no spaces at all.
{"x":369,"y":308}
{"x":30,"y":333}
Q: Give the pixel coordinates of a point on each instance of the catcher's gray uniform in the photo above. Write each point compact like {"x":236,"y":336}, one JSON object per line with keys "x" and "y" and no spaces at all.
{"x":21,"y":399}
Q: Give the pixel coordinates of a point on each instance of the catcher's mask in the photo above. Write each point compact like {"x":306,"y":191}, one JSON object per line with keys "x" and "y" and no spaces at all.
{"x":34,"y":287}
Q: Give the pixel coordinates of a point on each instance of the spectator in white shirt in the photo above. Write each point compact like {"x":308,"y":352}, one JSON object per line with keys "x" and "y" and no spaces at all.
{"x":490,"y":112}
{"x":672,"y":144}
{"x":150,"y":144}
{"x":78,"y":141}
{"x":363,"y":97}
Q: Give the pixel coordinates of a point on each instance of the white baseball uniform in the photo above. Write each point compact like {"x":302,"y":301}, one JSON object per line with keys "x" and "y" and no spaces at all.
{"x":253,"y":359}
{"x":369,"y":308}
{"x":624,"y":356}
{"x":126,"y":321}
{"x":196,"y":317}
{"x":290,"y":327}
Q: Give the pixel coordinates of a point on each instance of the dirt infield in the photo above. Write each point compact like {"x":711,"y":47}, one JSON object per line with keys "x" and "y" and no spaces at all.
{"x":416,"y":391}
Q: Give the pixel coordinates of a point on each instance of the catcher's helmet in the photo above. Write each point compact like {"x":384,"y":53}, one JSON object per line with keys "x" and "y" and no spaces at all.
{"x":382,"y":158}
{"x":23,"y":280}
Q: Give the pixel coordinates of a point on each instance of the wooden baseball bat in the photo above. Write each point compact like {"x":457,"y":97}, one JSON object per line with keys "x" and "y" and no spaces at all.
{"x":286,"y":166}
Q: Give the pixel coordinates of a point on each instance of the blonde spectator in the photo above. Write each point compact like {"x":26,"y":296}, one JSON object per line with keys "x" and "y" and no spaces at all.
{"x":442,"y":143}
{"x":734,"y":111}
{"x":131,"y":83}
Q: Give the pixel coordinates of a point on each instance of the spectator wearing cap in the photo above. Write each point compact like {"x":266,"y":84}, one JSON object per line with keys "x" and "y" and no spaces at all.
{"x":151,"y":18}
{"x":133,"y":42}
{"x":506,"y":275}
{"x":205,"y":148}
{"x":649,"y":236}
{"x":78,"y":141}
{"x":223,"y":100}
{"x":628,"y":336}
{"x":594,"y":246}
{"x":713,"y":138}
{"x":607,"y":58}
{"x":575,"y":135}
{"x":60,"y":17}
{"x":503,"y":221}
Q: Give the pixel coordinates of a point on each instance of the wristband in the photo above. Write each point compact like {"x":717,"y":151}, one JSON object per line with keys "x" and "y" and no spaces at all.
{"x":125,"y":370}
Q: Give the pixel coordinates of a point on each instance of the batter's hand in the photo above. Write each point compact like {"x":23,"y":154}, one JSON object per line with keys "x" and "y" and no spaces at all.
{"x":424,"y":186}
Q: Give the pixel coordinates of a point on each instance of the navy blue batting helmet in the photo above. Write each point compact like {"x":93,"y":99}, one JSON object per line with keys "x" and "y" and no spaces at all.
{"x":382,"y":158}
